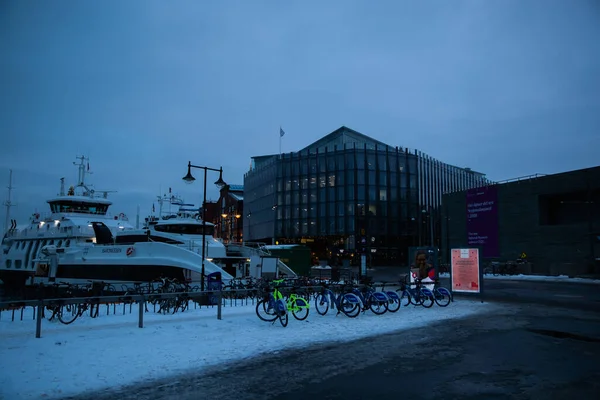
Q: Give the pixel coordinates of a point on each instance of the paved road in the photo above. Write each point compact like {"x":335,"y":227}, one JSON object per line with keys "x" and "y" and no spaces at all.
{"x":520,"y":350}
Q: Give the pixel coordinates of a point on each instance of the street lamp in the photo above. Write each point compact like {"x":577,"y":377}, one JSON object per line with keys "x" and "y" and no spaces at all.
{"x":189,"y":179}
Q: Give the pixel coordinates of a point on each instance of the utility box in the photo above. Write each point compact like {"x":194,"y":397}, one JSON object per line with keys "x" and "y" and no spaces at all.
{"x":295,"y":256}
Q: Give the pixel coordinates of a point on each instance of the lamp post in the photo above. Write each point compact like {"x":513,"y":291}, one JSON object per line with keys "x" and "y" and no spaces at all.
{"x":189,"y":178}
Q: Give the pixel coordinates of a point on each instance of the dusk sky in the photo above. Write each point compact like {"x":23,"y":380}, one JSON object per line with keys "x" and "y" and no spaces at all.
{"x":506,"y":87}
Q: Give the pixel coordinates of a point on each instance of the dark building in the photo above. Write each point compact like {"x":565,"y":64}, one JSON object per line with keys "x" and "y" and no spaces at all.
{"x":229,"y":214}
{"x":554,"y":220}
{"x":348,"y":194}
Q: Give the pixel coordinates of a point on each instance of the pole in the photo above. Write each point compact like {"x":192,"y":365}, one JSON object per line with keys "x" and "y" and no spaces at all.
{"x":8,"y":203}
{"x":203,"y":230}
{"x":431,"y":227}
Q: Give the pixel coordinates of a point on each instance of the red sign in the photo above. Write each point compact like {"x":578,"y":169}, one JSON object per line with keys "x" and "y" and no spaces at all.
{"x":465,"y":270}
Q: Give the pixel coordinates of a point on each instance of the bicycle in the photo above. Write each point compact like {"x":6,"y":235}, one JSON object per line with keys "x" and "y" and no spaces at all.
{"x":419,"y":295}
{"x":393,"y":298}
{"x":372,"y":300}
{"x":347,"y":303}
{"x":271,"y":308}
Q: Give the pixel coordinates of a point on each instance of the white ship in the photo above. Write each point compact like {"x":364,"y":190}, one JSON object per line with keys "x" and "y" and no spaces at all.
{"x":85,"y":239}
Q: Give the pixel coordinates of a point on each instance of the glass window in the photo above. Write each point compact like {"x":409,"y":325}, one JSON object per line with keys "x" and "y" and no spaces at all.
{"x":360,"y":160}
{"x":383,"y":194}
{"x":295,"y":168}
{"x":331,"y":193}
{"x":303,"y":212}
{"x":383,"y":162}
{"x":339,"y":179}
{"x":296,"y":212}
{"x":295,"y":197}
{"x":304,"y":197}
{"x":340,"y":209}
{"x":413,"y":181}
{"x":331,"y":162}
{"x":322,"y":194}
{"x":403,"y":180}
{"x":340,"y":225}
{"x":349,"y":160}
{"x":340,"y":193}
{"x":313,"y":182}
{"x":304,"y":183}
{"x":303,"y":167}
{"x":382,"y":210}
{"x":322,"y":210}
{"x":372,"y":177}
{"x":321,"y":181}
{"x":361,"y":177}
{"x":349,"y":224}
{"x":331,"y":180}
{"x":371,"y":162}
{"x":304,"y":228}
{"x":313,"y":165}
{"x":312,"y":228}
{"x":322,"y":164}
{"x":349,"y":192}
{"x":312,"y":212}
{"x":349,"y":209}
{"x":372,"y":193}
{"x":341,"y":165}
{"x":360,"y":195}
{"x":331,"y":209}
{"x":313,"y":197}
{"x":350,"y":177}
{"x":383,"y":178}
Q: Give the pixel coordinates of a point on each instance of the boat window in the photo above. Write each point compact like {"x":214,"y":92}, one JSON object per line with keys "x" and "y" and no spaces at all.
{"x":184,"y":229}
{"x":59,"y":243}
{"x":83,"y":207}
{"x":68,"y":243}
{"x":8,"y":263}
{"x":51,"y":242}
{"x":18,"y":264}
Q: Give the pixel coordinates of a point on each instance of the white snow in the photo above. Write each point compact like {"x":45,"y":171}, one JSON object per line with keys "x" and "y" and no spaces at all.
{"x":111,"y":350}
{"x":538,"y":278}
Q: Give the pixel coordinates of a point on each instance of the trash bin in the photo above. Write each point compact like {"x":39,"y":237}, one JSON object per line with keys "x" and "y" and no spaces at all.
{"x":213,"y":282}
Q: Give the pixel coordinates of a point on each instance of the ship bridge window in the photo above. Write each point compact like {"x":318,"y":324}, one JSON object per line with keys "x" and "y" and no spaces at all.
{"x":184,"y":229}
{"x":69,"y":206}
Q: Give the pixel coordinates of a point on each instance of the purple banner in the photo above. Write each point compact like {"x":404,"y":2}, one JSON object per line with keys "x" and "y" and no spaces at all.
{"x":482,"y":219}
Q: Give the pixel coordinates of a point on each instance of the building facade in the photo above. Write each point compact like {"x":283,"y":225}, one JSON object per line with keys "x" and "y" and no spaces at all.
{"x":348,"y":194}
{"x":554,"y":220}
{"x":229,"y":214}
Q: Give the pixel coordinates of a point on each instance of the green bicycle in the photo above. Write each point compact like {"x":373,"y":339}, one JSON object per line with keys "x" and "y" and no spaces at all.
{"x":297,"y":305}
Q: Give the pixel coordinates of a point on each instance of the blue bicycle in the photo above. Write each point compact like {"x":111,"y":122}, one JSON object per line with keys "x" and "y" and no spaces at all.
{"x":372,"y":300}
{"x":345,"y":302}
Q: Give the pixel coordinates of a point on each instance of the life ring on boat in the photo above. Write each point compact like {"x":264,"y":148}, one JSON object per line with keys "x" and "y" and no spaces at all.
{"x":129,"y":251}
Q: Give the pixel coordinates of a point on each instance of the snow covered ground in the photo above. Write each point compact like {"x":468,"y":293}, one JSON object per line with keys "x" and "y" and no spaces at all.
{"x":111,"y":350}
{"x":538,"y":278}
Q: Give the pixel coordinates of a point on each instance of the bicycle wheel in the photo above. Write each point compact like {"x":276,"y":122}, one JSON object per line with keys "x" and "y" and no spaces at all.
{"x":283,"y":319}
{"x":377,"y":306}
{"x":300,"y":309}
{"x":265,"y":311}
{"x":322,"y":304}
{"x":404,"y":297}
{"x":350,"y":307}
{"x":440,"y":299}
{"x":68,"y":313}
{"x":394,"y":302}
{"x":426,"y":300}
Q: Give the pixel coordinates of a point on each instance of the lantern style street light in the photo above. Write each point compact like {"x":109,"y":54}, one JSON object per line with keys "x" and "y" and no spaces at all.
{"x":189,"y":179}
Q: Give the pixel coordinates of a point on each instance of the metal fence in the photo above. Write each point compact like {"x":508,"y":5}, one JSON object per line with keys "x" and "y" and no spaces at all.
{"x":140,"y":299}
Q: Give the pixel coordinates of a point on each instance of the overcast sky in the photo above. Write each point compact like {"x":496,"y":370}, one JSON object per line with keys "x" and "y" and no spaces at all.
{"x":508,"y":88}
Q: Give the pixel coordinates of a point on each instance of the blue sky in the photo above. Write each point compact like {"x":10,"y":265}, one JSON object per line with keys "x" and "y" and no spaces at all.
{"x":508,"y":88}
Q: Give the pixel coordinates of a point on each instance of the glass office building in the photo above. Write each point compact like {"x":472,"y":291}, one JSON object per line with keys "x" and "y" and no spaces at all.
{"x":348,"y":194}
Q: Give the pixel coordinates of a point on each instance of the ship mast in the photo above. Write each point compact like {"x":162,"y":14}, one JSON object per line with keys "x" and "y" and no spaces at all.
{"x":8,"y":203}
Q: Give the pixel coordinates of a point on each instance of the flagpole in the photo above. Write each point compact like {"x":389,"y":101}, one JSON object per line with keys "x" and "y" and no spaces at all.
{"x":280,"y":141}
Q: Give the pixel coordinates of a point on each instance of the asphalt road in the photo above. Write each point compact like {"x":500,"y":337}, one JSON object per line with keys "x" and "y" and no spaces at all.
{"x":528,"y":348}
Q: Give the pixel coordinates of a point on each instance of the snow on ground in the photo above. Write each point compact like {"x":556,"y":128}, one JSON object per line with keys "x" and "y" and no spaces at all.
{"x":111,"y":350}
{"x":538,"y":278}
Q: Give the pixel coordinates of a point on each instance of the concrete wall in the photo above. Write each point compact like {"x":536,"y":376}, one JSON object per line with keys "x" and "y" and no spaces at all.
{"x":562,"y":248}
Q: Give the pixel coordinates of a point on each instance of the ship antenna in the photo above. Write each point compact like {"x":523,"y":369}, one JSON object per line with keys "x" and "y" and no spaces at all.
{"x":8,"y":203}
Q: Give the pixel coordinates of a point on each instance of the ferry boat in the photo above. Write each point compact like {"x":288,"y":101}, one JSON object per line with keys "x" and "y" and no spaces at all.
{"x":84,"y":241}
